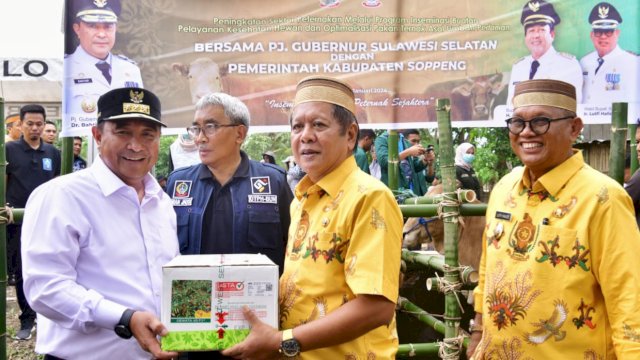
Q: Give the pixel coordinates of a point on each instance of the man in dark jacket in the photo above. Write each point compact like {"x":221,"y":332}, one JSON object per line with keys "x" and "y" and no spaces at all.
{"x":228,"y":203}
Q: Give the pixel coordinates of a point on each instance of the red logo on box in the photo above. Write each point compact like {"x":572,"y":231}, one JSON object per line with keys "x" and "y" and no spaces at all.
{"x":230,"y":286}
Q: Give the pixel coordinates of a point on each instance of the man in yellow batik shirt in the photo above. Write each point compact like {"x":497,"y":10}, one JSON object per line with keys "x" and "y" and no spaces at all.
{"x":558,"y":276}
{"x":340,"y":281}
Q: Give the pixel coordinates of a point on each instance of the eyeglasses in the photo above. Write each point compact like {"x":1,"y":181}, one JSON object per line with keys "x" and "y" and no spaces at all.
{"x":602,"y":33}
{"x":539,"y":125}
{"x":209,"y":129}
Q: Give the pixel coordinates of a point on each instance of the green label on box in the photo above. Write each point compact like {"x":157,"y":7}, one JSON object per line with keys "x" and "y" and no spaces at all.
{"x":190,"y":321}
{"x":202,"y":340}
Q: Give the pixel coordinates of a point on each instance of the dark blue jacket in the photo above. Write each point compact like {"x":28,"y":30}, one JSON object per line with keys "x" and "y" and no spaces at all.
{"x":260,"y":214}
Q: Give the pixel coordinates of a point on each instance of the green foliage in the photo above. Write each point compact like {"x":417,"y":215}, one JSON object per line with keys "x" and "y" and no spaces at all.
{"x":189,"y":296}
{"x":494,"y":157}
{"x":202,"y":340}
{"x":256,"y":144}
{"x":162,"y":166}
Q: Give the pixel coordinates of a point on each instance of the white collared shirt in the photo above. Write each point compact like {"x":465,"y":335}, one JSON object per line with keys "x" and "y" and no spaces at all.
{"x":84,"y":82}
{"x":616,"y":80}
{"x":91,"y":249}
{"x":553,"y":65}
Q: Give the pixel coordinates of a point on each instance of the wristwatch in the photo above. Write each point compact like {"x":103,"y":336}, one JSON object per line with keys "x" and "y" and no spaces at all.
{"x":122,"y":329}
{"x":289,"y":347}
{"x":473,"y":327}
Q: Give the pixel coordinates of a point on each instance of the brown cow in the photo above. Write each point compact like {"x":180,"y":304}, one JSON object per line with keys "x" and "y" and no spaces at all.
{"x":203,"y":75}
{"x":268,"y":101}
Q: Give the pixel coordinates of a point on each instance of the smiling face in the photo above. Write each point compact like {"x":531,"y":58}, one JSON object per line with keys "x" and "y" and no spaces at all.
{"x":538,"y":39}
{"x":541,"y":153}
{"x":605,"y":41}
{"x":129,"y":148}
{"x":319,"y":142}
{"x":97,"y":39}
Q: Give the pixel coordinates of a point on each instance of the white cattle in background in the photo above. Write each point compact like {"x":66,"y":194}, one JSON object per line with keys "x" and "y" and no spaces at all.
{"x":203,"y":75}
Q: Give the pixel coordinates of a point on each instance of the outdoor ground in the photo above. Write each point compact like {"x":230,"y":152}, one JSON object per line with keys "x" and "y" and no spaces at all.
{"x":17,"y":350}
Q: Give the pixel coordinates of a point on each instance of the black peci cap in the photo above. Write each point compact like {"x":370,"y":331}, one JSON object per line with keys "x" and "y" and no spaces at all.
{"x":129,"y":103}
{"x":97,"y":11}
{"x":604,"y":17}
{"x":539,"y":12}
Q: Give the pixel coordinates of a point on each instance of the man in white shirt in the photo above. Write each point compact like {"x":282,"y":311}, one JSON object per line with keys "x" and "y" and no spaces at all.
{"x":93,"y":69}
{"x":540,"y":19}
{"x":610,"y":73}
{"x":95,"y":280}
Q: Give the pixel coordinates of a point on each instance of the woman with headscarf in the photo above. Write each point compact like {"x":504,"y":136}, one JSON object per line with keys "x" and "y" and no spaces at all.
{"x":465,"y":154}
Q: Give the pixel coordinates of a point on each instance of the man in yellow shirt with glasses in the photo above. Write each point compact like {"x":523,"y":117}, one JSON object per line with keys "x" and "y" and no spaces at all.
{"x":558,"y":274}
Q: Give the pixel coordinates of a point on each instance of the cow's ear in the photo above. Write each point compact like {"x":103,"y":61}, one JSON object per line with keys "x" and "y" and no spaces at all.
{"x":181,"y":68}
{"x":224,"y":70}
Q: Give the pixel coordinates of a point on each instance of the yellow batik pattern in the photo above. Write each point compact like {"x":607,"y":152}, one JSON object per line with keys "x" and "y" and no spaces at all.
{"x":558,"y":275}
{"x":346,"y":240}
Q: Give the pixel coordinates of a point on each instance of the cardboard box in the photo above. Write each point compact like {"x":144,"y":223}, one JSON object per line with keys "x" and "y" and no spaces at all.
{"x":203,"y":295}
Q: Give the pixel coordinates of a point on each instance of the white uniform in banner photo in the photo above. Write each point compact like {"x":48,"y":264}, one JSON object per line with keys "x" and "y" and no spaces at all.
{"x":540,"y":22}
{"x":84,"y":83}
{"x":610,"y":73}
{"x":553,"y":65}
{"x":617,"y":79}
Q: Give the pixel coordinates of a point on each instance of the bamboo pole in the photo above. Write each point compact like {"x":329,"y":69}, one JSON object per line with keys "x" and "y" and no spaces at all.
{"x":18,"y":214}
{"x":393,"y":170}
{"x":452,"y":276}
{"x":468,"y":276}
{"x":412,"y":350}
{"x":434,"y":260}
{"x":3,"y":243}
{"x":634,"y":146}
{"x":431,"y":210}
{"x":67,"y":155}
{"x":618,"y":148}
{"x":420,"y":314}
{"x":465,"y":196}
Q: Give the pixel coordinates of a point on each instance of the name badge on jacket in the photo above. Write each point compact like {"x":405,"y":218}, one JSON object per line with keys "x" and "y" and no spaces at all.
{"x":47,"y":164}
{"x":181,"y":193}
{"x":261,"y":191}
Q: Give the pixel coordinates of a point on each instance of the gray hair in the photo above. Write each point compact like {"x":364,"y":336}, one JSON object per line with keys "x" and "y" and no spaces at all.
{"x":233,"y":107}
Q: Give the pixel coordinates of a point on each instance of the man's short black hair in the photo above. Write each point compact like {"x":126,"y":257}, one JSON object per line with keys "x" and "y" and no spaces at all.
{"x":50,"y":123}
{"x":408,"y":132}
{"x":367,"y":133}
{"x":346,"y":118}
{"x":32,"y":108}
{"x":77,"y":138}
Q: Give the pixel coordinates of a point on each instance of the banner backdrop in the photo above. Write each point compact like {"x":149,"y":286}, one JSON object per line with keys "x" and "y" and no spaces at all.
{"x":399,"y":56}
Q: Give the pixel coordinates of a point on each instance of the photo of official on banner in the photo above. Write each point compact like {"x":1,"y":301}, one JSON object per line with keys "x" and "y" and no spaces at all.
{"x":398,"y":55}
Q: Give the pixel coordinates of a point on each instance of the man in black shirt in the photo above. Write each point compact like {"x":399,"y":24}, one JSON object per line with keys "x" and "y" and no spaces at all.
{"x":78,"y":162}
{"x":30,"y":163}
